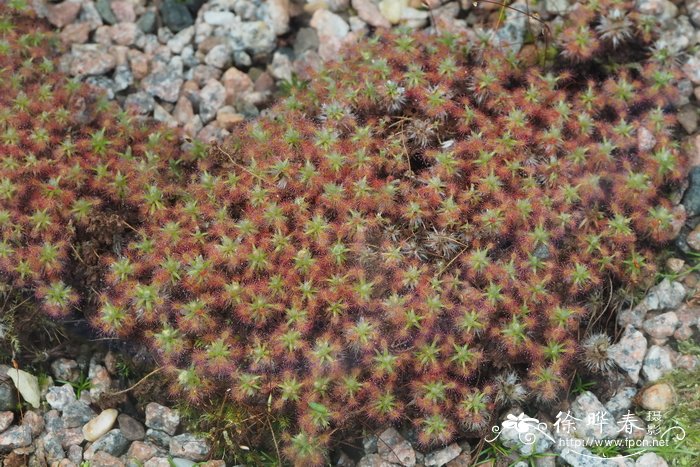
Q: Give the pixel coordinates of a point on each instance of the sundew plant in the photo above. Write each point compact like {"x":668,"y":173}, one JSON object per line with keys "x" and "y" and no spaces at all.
{"x":411,"y":236}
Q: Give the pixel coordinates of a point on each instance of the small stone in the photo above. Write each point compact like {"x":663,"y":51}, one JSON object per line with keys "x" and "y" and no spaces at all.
{"x":131,"y":428}
{"x":374,"y":460}
{"x":166,"y":82}
{"x":70,"y":436}
{"x":105,"y":11}
{"x":629,"y":352}
{"x":158,"y":462}
{"x":369,"y":443}
{"x":27,"y":385}
{"x":645,"y":139}
{"x":586,"y":426}
{"x":220,"y":56}
{"x":162,"y":418}
{"x":276,"y":13}
{"x":211,"y":98}
{"x":189,"y":447}
{"x":147,"y":22}
{"x":103,"y":35}
{"x":693,"y":238}
{"x":658,"y":397}
{"x":688,"y":118}
{"x":281,"y":67}
{"x":219,"y":18}
{"x":444,"y":455}
{"x":622,"y":401}
{"x":163,"y":116}
{"x":75,"y":454}
{"x":306,"y":39}
{"x":90,"y":15}
{"x":181,"y":39}
{"x":15,"y":437}
{"x":113,"y":442}
{"x":463,"y":460}
{"x":256,"y":37}
{"x":34,"y":421}
{"x":675,"y":265}
{"x":123,"y":11}
{"x":661,"y":326}
{"x":650,"y":459}
{"x":331,"y":30}
{"x":183,"y":111}
{"x":661,"y":9}
{"x":98,"y":426}
{"x":60,"y":396}
{"x":77,"y":414}
{"x":100,"y":381}
{"x":52,"y":447}
{"x":91,"y":59}
{"x":141,"y":451}
{"x":370,"y":14}
{"x":64,"y":13}
{"x":103,"y":459}
{"x":631,"y":426}
{"x":522,"y":434}
{"x":139,"y":103}
{"x":191,"y":129}
{"x":159,"y":438}
{"x":392,"y":447}
{"x":666,"y":295}
{"x":125,"y":33}
{"x":657,"y":363}
{"x":8,"y":393}
{"x":556,"y":7}
{"x":212,"y":133}
{"x":75,"y":33}
{"x":227,"y":117}
{"x":6,"y":419}
{"x":176,"y":15}
{"x":236,"y":83}
{"x":692,"y":69}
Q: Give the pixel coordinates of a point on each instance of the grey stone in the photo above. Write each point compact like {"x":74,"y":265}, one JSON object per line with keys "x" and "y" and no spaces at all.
{"x":374,"y":460}
{"x":242,"y":59}
{"x":629,"y":353}
{"x":661,"y":326}
{"x":442,"y":456}
{"x":166,"y":82}
{"x":176,"y":15}
{"x":512,"y":33}
{"x":525,"y":434}
{"x":106,"y":12}
{"x":256,"y":37}
{"x":190,"y":447}
{"x":306,"y":39}
{"x":220,"y":56}
{"x":219,"y":18}
{"x":52,"y":447}
{"x":622,"y":401}
{"x":162,"y":418}
{"x":650,"y":459}
{"x":91,"y":59}
{"x":60,"y":396}
{"x":6,"y":419}
{"x":657,"y":363}
{"x":392,"y":447}
{"x":8,"y":393}
{"x":181,"y":39}
{"x":15,"y":437}
{"x":75,"y":454}
{"x":64,"y":369}
{"x":691,"y":198}
{"x":34,"y":421}
{"x":662,"y":10}
{"x":113,"y":443}
{"x":106,"y":85}
{"x":159,"y":438}
{"x":147,"y":22}
{"x":594,"y":421}
{"x":658,"y":397}
{"x":76,"y":414}
{"x":211,"y":98}
{"x":693,"y":7}
{"x":122,"y":78}
{"x":131,"y":428}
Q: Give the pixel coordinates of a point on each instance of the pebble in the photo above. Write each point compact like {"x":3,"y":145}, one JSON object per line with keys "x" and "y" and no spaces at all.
{"x":227,"y":117}
{"x":98,"y":426}
{"x":162,"y":418}
{"x":661,"y":9}
{"x":629,"y":352}
{"x":100,"y":381}
{"x":15,"y":437}
{"x":91,"y":59}
{"x":691,"y":68}
{"x":661,"y":326}
{"x":124,"y":11}
{"x":658,"y":397}
{"x":141,"y":451}
{"x":331,"y":30}
{"x":281,"y":67}
{"x":34,"y":421}
{"x":176,"y":15}
{"x":650,"y":459}
{"x":220,"y":56}
{"x":75,"y":454}
{"x":6,"y":419}
{"x":587,"y":408}
{"x":103,"y":7}
{"x":27,"y":385}
{"x":276,"y":13}
{"x":622,"y":401}
{"x":113,"y":442}
{"x":8,"y":393}
{"x":190,"y":447}
{"x":693,"y":8}
{"x":157,"y":437}
{"x":444,"y":455}
{"x":181,"y":39}
{"x":657,"y":363}
{"x":666,"y":295}
{"x":64,"y":13}
{"x":256,"y":37}
{"x":688,"y":118}
{"x":370,"y":13}
{"x":131,"y":428}
{"x":76,"y":414}
{"x":52,"y":447}
{"x":165,"y":83}
{"x":392,"y":447}
{"x":76,"y":33}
